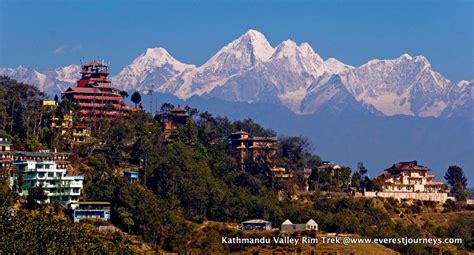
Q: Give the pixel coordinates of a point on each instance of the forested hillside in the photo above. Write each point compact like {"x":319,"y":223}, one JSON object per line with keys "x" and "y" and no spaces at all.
{"x":187,"y":178}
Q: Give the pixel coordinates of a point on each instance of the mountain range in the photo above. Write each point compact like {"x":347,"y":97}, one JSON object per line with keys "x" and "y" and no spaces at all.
{"x":250,"y":70}
{"x":380,"y":112}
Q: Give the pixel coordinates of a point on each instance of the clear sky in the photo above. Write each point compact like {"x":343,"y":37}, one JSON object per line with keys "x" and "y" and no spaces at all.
{"x":45,"y":34}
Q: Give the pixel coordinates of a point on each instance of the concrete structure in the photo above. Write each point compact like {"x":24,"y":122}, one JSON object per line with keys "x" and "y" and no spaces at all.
{"x":288,"y":226}
{"x":90,"y":210}
{"x":410,"y":177}
{"x":6,"y":156}
{"x":131,"y":176}
{"x":256,"y":224}
{"x":441,"y":197}
{"x":40,"y":169}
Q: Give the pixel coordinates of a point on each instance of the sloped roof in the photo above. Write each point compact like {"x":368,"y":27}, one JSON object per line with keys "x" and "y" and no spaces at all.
{"x":311,"y":222}
{"x":256,"y":221}
{"x":287,"y":222}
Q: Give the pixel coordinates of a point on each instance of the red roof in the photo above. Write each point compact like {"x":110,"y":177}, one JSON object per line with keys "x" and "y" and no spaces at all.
{"x":94,"y":63}
{"x":98,"y":97}
{"x":178,"y":109}
{"x":408,"y":166}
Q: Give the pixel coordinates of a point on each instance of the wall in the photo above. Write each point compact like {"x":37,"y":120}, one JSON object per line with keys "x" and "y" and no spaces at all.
{"x":438,"y":197}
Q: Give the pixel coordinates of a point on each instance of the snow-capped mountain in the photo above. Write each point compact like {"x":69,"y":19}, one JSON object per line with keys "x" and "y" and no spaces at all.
{"x":250,"y":70}
{"x":52,"y":82}
{"x":461,"y":100}
{"x":284,"y":77}
{"x":405,"y":85}
{"x":249,"y":50}
{"x":152,"y":68}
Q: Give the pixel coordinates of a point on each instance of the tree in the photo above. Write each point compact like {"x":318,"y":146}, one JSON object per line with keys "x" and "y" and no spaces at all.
{"x":136,"y":98}
{"x":123,"y":94}
{"x":36,"y":197}
{"x":457,"y":180}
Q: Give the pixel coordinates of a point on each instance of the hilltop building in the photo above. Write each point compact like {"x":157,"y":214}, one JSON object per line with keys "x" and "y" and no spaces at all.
{"x":252,"y":147}
{"x":48,"y":170}
{"x":408,"y":180}
{"x":288,"y":226}
{"x":410,"y":177}
{"x":179,"y":116}
{"x":94,"y":94}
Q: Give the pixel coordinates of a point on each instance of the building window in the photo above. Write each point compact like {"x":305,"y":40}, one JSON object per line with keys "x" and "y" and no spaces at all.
{"x":40,"y":175}
{"x":50,"y":174}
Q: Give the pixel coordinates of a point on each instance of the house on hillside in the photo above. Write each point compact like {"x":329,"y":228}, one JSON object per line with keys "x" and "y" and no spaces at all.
{"x":257,"y":148}
{"x":6,"y":156}
{"x":409,"y":180}
{"x":410,"y":177}
{"x":256,"y":224}
{"x":90,"y":210}
{"x":329,"y":167}
{"x":288,"y":226}
{"x":178,"y":116}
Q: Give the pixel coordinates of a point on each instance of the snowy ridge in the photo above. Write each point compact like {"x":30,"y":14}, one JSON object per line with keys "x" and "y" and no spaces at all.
{"x":249,"y":69}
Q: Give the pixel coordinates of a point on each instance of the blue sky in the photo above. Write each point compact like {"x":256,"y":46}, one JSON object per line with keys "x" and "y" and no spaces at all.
{"x":44,"y":34}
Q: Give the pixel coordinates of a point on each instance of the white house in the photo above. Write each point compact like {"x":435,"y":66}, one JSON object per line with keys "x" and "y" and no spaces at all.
{"x":288,"y":226}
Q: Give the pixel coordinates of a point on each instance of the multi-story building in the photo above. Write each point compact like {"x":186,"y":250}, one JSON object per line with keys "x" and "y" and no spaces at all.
{"x":47,"y":170}
{"x":94,"y":94}
{"x":256,"y":148}
{"x":6,"y":156}
{"x":410,"y":177}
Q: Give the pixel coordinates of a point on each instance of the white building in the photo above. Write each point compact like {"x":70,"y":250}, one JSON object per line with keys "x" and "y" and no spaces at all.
{"x":288,"y":226}
{"x":57,"y":184}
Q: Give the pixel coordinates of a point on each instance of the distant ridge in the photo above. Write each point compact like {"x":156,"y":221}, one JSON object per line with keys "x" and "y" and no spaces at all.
{"x":250,"y":70}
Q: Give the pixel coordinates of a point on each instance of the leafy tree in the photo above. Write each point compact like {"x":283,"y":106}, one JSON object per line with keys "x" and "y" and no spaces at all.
{"x":124,"y":94}
{"x":136,"y":98}
{"x":457,"y":180}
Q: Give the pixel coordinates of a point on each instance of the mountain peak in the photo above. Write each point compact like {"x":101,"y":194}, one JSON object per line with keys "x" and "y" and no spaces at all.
{"x":156,"y":52}
{"x":405,"y":56}
{"x":334,"y":66}
{"x":253,"y":34}
{"x":244,"y":52}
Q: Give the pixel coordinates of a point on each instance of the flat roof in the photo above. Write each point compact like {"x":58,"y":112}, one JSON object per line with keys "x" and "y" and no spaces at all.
{"x":93,"y":203}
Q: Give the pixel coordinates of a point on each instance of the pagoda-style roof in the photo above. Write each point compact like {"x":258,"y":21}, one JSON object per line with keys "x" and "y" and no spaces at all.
{"x":178,"y":109}
{"x":407,"y":166}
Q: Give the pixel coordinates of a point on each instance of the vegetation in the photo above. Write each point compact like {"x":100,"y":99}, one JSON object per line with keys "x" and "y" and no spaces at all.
{"x":187,"y":177}
{"x":458,"y":182}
